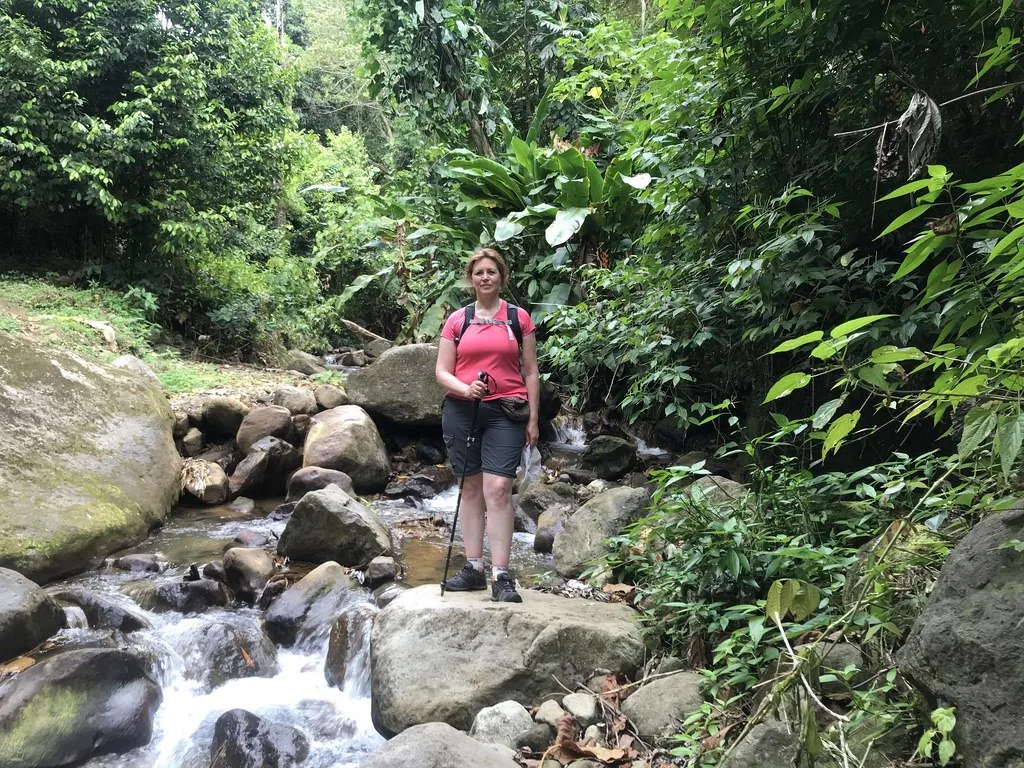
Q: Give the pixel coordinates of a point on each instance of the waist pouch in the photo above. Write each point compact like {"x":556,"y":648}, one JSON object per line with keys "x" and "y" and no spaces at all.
{"x":515,"y":408}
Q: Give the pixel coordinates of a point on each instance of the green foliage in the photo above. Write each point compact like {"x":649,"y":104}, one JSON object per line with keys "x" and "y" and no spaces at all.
{"x":938,"y":740}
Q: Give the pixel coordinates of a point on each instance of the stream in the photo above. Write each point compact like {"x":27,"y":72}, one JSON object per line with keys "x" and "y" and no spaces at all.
{"x":335,"y":720}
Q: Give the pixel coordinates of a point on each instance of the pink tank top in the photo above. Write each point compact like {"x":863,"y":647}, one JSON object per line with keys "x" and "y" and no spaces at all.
{"x":489,"y":346}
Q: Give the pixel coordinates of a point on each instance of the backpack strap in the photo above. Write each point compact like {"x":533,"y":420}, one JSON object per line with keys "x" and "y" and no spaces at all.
{"x":512,"y":312}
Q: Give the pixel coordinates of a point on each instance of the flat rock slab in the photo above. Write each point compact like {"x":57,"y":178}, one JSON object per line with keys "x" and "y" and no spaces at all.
{"x":437,"y":659}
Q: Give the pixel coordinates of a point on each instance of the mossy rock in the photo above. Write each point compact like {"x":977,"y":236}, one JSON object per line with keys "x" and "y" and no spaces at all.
{"x":87,"y":460}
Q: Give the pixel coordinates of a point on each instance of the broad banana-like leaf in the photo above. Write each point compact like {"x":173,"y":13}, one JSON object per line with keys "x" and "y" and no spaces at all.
{"x":539,"y":116}
{"x":506,"y":230}
{"x":566,"y":224}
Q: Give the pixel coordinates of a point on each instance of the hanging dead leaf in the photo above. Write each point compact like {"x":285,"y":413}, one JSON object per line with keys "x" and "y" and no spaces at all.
{"x":887,"y":153}
{"x":947,"y":225}
{"x":922,"y":125}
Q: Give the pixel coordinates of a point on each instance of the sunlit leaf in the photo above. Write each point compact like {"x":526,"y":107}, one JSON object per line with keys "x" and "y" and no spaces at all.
{"x":978,"y":425}
{"x":786,"y":385}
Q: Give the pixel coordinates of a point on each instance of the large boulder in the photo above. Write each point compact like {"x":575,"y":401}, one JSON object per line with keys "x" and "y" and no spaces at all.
{"x":400,"y":386}
{"x":500,"y":651}
{"x":242,"y":739}
{"x":437,"y":745}
{"x":75,"y":705}
{"x":346,"y":439}
{"x":224,"y":651}
{"x":268,"y":421}
{"x":582,"y":541}
{"x":27,"y":615}
{"x":331,"y":525}
{"x":658,"y":708}
{"x":609,"y":457}
{"x":314,"y":479}
{"x":87,"y":460}
{"x":965,"y":647}
{"x":101,"y":612}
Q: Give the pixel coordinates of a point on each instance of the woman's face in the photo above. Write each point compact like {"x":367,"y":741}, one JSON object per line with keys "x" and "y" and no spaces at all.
{"x":486,"y":278}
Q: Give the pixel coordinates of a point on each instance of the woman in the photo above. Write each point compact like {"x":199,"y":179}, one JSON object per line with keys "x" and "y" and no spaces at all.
{"x":487,"y":345}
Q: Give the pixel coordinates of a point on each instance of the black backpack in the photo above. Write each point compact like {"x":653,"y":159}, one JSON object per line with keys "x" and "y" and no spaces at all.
{"x":513,"y":322}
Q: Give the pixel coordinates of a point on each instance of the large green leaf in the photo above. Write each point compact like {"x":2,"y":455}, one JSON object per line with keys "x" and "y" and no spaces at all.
{"x":566,"y":224}
{"x":506,"y":230}
{"x":978,"y":425}
{"x":840,"y":428}
{"x":1009,"y":436}
{"x":787,"y":385}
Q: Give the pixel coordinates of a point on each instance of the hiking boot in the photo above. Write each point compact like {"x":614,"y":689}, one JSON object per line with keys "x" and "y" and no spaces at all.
{"x":466,"y":580}
{"x":503,"y":589}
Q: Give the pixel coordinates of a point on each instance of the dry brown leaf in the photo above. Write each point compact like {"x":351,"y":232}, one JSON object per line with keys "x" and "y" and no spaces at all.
{"x":14,"y":666}
{"x":620,"y":592}
{"x":248,"y":658}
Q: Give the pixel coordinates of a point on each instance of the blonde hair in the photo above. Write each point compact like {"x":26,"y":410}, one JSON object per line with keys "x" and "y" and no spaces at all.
{"x":487,"y":253}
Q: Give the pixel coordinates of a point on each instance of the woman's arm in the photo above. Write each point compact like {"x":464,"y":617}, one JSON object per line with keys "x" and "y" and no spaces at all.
{"x":531,"y":375}
{"x":444,"y":372}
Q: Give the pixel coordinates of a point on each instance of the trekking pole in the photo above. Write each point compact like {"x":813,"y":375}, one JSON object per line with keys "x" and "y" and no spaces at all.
{"x":470,"y":438}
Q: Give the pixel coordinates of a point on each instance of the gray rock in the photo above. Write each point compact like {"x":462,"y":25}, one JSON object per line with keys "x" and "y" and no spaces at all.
{"x":314,"y":479}
{"x":377,"y":347}
{"x":243,"y":740}
{"x":220,"y":651}
{"x":296,"y":399}
{"x":400,"y":386}
{"x":501,"y":723}
{"x":549,"y":713}
{"x":28,"y":616}
{"x":103,"y":699}
{"x":329,"y":396}
{"x":331,"y":525}
{"x":964,"y":648}
{"x":768,"y":745}
{"x":132,"y":364}
{"x":303,"y":362}
{"x":222,"y":416}
{"x":182,"y":596}
{"x":380,"y":570}
{"x":268,"y":421}
{"x":539,"y":497}
{"x":609,"y":457}
{"x":544,"y":636}
{"x":205,"y":481}
{"x":141,"y":563}
{"x":658,"y":708}
{"x":346,"y":439}
{"x":582,"y":541}
{"x":247,"y":572}
{"x":538,"y":737}
{"x":436,"y":745}
{"x":307,"y":611}
{"x":101,"y":612}
{"x":584,"y":707}
{"x":347,"y":665}
{"x":720,"y":492}
{"x":193,"y":442}
{"x":87,"y":460}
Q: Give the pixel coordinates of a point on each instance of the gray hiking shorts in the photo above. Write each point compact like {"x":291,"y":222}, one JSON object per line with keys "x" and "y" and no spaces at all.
{"x":498,"y":445}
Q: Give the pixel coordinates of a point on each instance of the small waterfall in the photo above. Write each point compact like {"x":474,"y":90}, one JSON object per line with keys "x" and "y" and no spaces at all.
{"x":569,"y":431}
{"x":74,"y":617}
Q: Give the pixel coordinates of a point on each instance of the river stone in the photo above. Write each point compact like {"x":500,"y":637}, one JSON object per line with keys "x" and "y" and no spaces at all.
{"x":268,"y":421}
{"x":330,"y":396}
{"x":377,"y":347}
{"x":75,"y":705}
{"x":297,"y":400}
{"x":303,"y":362}
{"x":582,"y":541}
{"x":659,"y":707}
{"x":247,"y":572}
{"x":219,"y":652}
{"x":193,"y":442}
{"x":101,"y":612}
{"x":965,"y":647}
{"x":501,"y":724}
{"x":768,"y":745}
{"x":250,"y":475}
{"x":719,"y":492}
{"x":400,"y":386}
{"x":331,"y":525}
{"x":306,"y":611}
{"x":139,"y":563}
{"x":27,"y":615}
{"x":244,"y":740}
{"x":436,"y":745}
{"x":609,"y":457}
{"x":314,"y":479}
{"x":539,"y":497}
{"x":205,"y":480}
{"x":222,"y":416}
{"x":501,"y":651}
{"x":347,"y":664}
{"x":346,"y":439}
{"x":87,"y":460}
{"x":182,"y":596}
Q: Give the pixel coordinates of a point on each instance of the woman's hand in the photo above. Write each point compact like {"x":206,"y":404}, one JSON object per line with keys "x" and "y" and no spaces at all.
{"x":476,"y":389}
{"x":532,"y":433}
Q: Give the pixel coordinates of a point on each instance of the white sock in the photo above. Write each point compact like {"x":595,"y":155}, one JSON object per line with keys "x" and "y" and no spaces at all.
{"x":495,"y":570}
{"x":477,"y":563}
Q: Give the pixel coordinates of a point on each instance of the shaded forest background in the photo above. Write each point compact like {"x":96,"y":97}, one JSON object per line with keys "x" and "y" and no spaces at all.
{"x":790,"y":231}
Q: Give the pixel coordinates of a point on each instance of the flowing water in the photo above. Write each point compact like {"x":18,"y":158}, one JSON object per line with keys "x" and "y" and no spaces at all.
{"x":335,"y":720}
